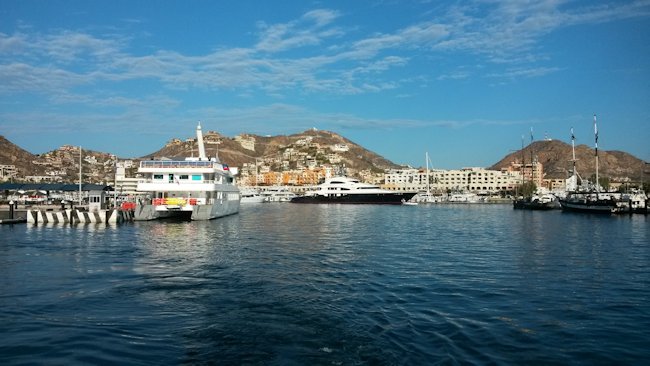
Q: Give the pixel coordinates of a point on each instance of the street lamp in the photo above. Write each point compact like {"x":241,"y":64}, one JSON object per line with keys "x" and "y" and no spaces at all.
{"x":80,"y":152}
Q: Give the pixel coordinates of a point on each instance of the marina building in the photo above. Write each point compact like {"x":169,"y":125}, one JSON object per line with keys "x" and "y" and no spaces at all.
{"x":477,"y":180}
{"x":531,"y":172}
{"x":7,"y":172}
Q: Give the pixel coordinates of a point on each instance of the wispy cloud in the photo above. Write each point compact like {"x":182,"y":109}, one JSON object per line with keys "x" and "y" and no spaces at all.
{"x":311,"y":29}
{"x":505,"y":33}
{"x":517,"y":73}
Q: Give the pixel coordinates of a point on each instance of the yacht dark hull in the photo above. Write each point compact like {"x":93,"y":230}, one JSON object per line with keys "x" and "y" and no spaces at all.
{"x":528,"y":205}
{"x":388,"y":198}
{"x":598,"y":206}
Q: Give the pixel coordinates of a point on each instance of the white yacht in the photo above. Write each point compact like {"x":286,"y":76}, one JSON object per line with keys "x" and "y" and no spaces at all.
{"x":277,"y":194}
{"x":250,"y":195}
{"x":350,"y":190}
{"x":463,"y":198}
{"x":195,"y":188}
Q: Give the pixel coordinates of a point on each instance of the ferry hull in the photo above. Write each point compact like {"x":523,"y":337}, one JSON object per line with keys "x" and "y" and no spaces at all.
{"x":148,"y":212}
{"x":390,"y":199}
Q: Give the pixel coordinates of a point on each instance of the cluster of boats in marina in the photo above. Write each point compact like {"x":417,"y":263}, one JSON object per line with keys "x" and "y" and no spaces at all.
{"x":590,"y":198}
{"x":203,"y":188}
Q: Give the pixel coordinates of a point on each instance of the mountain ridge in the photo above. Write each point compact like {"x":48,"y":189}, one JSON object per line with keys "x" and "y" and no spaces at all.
{"x":555,"y":156}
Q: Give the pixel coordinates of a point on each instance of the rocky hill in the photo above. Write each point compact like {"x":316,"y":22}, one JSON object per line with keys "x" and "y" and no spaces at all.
{"x":556,"y":158}
{"x":268,"y":148}
{"x":98,"y":167}
{"x":318,"y":147}
{"x":11,"y":154}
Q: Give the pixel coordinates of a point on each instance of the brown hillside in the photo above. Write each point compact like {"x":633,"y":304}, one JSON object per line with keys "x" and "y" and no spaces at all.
{"x":556,"y":158}
{"x":11,"y":154}
{"x":232,"y":153}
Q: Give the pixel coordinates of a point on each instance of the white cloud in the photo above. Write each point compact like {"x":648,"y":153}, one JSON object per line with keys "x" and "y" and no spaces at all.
{"x":504,"y":34}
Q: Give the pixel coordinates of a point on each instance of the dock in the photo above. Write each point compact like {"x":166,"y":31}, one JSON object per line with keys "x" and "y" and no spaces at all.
{"x":44,"y":214}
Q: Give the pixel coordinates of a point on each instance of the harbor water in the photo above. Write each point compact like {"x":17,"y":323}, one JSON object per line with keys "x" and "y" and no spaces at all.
{"x":286,"y":284}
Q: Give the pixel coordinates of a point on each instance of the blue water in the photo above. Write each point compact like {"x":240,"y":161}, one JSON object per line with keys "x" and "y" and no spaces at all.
{"x":285,"y":284}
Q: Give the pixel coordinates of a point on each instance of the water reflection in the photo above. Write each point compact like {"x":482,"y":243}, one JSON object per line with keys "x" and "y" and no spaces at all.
{"x":316,"y":284}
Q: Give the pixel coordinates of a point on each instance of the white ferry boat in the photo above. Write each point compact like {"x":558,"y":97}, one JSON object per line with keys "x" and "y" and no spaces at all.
{"x":350,"y":190}
{"x":195,"y":188}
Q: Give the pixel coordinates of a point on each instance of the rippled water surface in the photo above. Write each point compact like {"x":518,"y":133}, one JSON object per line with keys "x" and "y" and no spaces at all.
{"x":343,"y":285}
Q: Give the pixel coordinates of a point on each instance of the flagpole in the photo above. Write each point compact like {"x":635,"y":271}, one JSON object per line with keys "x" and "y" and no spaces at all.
{"x":79,"y":175}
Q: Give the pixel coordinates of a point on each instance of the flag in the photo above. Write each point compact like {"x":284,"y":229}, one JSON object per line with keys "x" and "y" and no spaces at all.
{"x":595,"y":129}
{"x":572,"y":136}
{"x":596,"y":144}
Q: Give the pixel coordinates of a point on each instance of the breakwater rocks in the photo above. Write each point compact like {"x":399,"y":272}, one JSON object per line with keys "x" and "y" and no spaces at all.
{"x":111,"y":216}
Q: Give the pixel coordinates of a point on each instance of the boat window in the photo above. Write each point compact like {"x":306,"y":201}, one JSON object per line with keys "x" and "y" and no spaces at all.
{"x":158,"y":176}
{"x":196,"y":176}
{"x":183,"y":176}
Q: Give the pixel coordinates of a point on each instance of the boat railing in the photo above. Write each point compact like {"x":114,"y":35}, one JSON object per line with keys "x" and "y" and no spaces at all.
{"x":176,"y":201}
{"x":177,"y":182}
{"x":166,"y":164}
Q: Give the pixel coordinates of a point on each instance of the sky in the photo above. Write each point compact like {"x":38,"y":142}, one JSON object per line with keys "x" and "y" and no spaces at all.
{"x":464,"y":81}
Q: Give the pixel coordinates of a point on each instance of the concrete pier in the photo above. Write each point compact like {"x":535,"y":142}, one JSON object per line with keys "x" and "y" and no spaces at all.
{"x":74,"y":216}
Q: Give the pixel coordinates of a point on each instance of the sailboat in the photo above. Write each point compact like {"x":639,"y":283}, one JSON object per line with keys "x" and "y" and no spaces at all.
{"x":427,"y":197}
{"x":534,"y":201}
{"x":592,"y":200}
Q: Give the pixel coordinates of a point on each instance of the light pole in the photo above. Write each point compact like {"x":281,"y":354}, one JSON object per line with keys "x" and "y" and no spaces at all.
{"x":80,"y":175}
{"x":115,"y":187}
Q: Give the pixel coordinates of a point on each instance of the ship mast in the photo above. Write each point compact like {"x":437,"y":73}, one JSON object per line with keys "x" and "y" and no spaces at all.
{"x":523,"y":163}
{"x":596,"y":150}
{"x":573,"y":149}
{"x":199,"y":140}
{"x":426,"y":157}
{"x":532,"y":157}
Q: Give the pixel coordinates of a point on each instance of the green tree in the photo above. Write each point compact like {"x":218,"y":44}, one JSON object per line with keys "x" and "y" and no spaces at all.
{"x":526,"y":189}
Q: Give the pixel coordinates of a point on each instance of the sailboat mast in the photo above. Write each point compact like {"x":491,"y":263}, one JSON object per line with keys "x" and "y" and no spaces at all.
{"x":596,"y":150}
{"x":532,"y":157}
{"x":426,"y":157}
{"x":523,"y":163}
{"x":573,"y":149}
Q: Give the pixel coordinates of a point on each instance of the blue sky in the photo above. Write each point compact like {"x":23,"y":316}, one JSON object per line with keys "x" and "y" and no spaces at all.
{"x":461,"y":80}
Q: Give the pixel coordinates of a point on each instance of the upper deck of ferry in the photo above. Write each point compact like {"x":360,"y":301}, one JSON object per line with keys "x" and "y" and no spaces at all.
{"x":184,"y":164}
